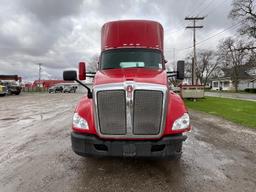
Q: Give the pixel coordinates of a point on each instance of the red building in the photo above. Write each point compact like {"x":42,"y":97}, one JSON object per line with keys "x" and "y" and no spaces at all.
{"x":48,"y":83}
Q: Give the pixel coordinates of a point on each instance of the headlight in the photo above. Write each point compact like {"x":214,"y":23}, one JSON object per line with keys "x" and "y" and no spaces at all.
{"x":181,"y":123}
{"x":79,"y":122}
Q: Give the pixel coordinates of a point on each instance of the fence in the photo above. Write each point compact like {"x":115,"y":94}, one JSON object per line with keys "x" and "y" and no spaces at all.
{"x":192,"y":91}
{"x":34,"y":89}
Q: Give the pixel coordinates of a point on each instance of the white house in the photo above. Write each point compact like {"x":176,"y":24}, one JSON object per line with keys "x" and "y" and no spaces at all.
{"x":225,"y":78}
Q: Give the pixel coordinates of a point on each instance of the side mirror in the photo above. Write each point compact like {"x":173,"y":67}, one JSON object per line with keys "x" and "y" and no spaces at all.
{"x":82,"y":71}
{"x":69,"y":75}
{"x":180,"y":70}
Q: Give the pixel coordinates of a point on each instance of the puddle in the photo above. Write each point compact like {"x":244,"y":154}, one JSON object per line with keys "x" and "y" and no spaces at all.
{"x":8,"y":119}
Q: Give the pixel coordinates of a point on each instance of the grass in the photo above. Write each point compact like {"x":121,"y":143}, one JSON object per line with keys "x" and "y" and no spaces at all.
{"x":237,"y":111}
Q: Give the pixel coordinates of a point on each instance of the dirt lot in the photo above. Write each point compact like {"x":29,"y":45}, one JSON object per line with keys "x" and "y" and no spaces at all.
{"x":35,"y":154}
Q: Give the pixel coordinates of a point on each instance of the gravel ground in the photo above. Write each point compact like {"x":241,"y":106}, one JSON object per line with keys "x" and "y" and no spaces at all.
{"x":35,"y":154}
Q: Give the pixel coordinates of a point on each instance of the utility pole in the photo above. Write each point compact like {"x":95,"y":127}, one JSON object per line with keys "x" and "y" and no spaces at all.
{"x":194,"y":27}
{"x":174,"y":59}
{"x":39,"y":73}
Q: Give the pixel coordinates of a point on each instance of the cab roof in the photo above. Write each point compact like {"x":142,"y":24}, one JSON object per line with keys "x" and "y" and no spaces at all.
{"x":132,"y":34}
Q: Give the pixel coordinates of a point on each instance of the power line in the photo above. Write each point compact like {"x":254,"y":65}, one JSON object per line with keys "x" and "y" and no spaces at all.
{"x":205,"y":7}
{"x":180,"y":27}
{"x":196,"y":7}
{"x":213,"y":8}
{"x":174,"y":31}
{"x":212,"y":36}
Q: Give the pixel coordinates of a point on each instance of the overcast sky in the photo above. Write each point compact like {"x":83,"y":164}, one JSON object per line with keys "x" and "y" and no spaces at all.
{"x":60,"y":33}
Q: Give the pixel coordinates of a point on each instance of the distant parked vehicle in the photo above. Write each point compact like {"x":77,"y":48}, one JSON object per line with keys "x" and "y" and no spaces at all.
{"x":12,"y":84}
{"x":3,"y":90}
{"x":13,"y":88}
{"x":56,"y":89}
{"x":70,"y":89}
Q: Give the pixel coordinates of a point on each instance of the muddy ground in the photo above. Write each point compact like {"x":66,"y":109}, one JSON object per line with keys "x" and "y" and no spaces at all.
{"x":35,"y":154}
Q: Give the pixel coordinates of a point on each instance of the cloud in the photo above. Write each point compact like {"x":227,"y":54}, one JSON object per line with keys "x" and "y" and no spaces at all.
{"x":51,"y":11}
{"x":60,"y":33}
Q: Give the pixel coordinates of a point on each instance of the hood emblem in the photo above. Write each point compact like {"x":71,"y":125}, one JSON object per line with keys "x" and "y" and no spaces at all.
{"x":129,"y":88}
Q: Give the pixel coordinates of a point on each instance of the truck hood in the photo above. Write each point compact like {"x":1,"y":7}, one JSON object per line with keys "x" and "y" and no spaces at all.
{"x":141,"y":75}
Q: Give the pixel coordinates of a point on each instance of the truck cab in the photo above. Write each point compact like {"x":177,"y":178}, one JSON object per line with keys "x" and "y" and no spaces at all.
{"x":130,"y":111}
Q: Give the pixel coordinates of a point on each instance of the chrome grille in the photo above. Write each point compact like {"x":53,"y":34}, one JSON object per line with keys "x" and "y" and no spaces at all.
{"x":111,"y":112}
{"x":130,"y":109}
{"x":147,"y":112}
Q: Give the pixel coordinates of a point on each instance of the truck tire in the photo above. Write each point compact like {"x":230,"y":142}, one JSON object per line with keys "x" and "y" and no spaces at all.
{"x":17,"y":93}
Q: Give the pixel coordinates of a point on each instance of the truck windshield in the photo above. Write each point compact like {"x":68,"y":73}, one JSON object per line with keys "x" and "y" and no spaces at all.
{"x":127,"y":58}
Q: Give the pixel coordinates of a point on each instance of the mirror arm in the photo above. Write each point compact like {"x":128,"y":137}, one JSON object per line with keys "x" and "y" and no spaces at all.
{"x":90,"y":74}
{"x":172,"y":73}
{"x":89,"y":92}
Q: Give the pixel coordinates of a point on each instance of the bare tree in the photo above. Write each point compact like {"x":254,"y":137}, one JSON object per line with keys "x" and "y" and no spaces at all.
{"x":206,"y":64}
{"x":93,"y":63}
{"x":245,"y":12}
{"x":231,"y":54}
{"x":252,"y":59}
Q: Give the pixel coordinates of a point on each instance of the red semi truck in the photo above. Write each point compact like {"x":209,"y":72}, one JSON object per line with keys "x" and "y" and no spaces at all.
{"x":130,"y":110}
